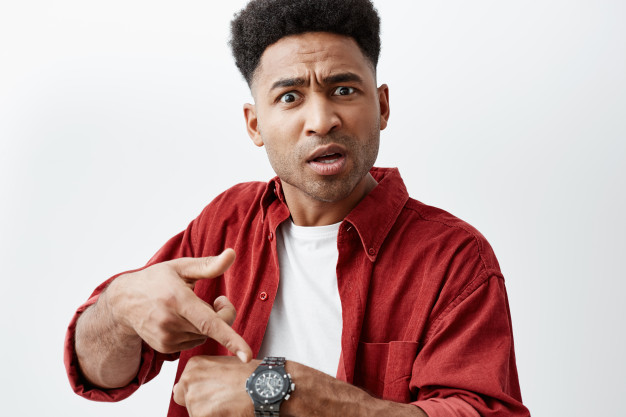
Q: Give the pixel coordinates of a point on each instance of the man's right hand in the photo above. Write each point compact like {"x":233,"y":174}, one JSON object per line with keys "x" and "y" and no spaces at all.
{"x":158,"y":304}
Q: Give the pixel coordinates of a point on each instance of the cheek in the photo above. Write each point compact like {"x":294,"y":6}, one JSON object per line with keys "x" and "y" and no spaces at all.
{"x":365,"y":114}
{"x":281,"y":135}
{"x":277,"y":150}
{"x":362,"y":124}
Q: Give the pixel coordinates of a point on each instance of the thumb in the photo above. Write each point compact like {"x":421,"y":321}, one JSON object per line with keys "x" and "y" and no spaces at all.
{"x":208,"y":267}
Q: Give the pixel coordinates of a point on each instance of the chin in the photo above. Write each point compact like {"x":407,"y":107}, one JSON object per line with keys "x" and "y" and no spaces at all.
{"x":330,"y":193}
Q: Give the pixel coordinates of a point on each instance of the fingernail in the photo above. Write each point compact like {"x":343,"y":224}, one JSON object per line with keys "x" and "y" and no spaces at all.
{"x":241,"y":355}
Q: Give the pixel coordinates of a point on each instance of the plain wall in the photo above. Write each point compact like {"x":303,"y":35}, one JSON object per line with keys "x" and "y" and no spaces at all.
{"x":121,"y":120}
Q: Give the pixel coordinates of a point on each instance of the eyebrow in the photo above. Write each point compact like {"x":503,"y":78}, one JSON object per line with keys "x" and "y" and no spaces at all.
{"x":331,"y":79}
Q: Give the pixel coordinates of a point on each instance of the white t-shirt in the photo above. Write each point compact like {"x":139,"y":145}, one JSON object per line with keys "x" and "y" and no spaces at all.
{"x":305,"y":324}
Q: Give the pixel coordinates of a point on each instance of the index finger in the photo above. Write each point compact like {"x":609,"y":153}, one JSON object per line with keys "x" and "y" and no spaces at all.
{"x":209,"y":323}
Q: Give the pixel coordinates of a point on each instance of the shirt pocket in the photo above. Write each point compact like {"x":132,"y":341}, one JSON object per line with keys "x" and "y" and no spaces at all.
{"x":384,"y":369}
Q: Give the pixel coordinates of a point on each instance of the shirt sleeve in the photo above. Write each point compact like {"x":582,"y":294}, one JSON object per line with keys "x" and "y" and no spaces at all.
{"x":151,"y":362}
{"x":470,"y":347}
{"x":179,"y":246}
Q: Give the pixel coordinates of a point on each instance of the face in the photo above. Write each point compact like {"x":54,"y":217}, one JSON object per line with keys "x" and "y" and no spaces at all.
{"x":319,"y":115}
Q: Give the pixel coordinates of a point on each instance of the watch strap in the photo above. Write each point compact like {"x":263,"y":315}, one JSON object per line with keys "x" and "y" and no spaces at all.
{"x":273,"y":361}
{"x":266,"y":413}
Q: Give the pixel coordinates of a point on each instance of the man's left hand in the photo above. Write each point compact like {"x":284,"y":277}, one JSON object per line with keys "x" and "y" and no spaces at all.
{"x":215,"y":386}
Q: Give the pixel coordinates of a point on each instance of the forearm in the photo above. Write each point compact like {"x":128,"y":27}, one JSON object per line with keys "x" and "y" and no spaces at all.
{"x":108,"y":353}
{"x":318,"y":394}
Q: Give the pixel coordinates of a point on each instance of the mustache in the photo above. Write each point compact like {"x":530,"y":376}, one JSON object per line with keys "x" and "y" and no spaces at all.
{"x":315,"y":142}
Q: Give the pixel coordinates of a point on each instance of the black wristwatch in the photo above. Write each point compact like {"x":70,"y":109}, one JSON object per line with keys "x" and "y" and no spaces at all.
{"x":268,"y":386}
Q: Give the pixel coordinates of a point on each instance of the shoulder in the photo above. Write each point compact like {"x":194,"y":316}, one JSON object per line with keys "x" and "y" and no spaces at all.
{"x":450,"y":258}
{"x":225,"y":215}
{"x":448,"y":233}
{"x":242,"y":193}
{"x":234,"y":202}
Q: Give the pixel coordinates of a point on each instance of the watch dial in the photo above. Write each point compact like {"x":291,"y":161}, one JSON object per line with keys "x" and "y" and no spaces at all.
{"x":269,"y":384}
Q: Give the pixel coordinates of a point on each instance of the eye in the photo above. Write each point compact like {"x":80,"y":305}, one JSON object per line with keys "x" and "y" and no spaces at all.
{"x":289,"y":97}
{"x":343,"y":91}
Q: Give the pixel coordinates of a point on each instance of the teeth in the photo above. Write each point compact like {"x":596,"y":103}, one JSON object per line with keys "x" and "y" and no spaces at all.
{"x":330,"y":161}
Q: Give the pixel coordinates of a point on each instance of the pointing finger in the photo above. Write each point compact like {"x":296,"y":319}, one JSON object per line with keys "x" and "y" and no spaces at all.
{"x":208,"y":267}
{"x":210,"y":324}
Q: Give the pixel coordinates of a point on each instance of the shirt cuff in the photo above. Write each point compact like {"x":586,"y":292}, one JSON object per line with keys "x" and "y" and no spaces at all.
{"x":447,"y":407}
{"x":84,"y":388}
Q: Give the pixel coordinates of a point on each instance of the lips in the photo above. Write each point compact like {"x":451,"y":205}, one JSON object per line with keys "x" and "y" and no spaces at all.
{"x":328,"y":160}
{"x":327,"y":152}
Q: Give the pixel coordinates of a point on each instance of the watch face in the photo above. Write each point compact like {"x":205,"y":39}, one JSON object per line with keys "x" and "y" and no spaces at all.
{"x":269,"y":384}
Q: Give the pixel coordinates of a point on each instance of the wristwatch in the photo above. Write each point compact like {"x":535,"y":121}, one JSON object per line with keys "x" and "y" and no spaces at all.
{"x":268,"y":386}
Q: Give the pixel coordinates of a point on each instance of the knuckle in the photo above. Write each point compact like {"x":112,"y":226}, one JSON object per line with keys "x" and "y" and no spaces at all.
{"x":228,"y":344}
{"x":162,"y":321}
{"x":193,"y":362}
{"x":168,"y":269}
{"x":168,"y":339}
{"x":160,"y":347}
{"x":169,"y":299}
{"x":208,"y":327}
{"x":207,"y":263}
{"x":167,"y":349}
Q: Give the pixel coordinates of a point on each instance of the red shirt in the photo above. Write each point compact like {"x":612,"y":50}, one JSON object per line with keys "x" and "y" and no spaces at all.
{"x":424,"y":306}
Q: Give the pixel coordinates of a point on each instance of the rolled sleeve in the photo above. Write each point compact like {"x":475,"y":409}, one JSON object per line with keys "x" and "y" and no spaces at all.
{"x":151,"y":362}
{"x":451,"y":406}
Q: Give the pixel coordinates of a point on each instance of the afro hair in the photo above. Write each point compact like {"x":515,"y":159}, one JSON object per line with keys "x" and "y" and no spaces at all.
{"x":264,"y":22}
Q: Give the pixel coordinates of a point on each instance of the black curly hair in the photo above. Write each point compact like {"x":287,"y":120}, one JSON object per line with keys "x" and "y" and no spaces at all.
{"x":264,"y":22}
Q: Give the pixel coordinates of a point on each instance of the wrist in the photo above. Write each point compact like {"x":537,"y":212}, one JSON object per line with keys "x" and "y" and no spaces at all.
{"x":320,"y":394}
{"x":317,"y":391}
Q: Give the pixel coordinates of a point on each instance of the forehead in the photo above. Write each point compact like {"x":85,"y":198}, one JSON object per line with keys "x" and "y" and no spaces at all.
{"x":313,"y":54}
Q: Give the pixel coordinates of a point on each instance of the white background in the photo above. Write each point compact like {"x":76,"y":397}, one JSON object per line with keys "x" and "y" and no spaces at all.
{"x":120,"y":120}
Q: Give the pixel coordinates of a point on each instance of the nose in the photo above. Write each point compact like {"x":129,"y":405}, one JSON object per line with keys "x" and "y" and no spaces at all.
{"x":321,"y":117}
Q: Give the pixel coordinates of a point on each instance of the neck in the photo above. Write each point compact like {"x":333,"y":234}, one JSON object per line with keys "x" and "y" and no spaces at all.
{"x":308,"y":211}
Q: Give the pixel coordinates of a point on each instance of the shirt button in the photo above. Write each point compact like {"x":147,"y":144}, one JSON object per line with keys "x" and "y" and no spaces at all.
{"x":263,"y":296}
{"x":371,"y":251}
{"x":270,"y":236}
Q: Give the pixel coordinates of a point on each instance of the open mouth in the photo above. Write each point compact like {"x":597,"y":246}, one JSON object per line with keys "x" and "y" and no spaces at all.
{"x":328,"y":158}
{"x":331,"y":163}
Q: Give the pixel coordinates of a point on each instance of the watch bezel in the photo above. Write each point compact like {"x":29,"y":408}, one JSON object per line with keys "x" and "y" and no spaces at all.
{"x":256,"y":397}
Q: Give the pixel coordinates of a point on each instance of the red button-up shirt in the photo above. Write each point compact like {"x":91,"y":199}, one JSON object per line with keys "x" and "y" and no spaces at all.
{"x":424,"y":307}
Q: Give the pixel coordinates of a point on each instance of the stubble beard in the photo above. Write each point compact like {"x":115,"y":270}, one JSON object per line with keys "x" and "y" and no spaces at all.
{"x":291,"y":169}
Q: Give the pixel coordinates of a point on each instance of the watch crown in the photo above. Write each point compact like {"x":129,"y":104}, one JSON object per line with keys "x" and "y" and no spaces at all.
{"x":293,"y":386}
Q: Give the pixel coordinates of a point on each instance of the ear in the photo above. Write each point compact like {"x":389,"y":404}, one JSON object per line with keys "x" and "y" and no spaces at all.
{"x":252,"y":124}
{"x":383,"y":101}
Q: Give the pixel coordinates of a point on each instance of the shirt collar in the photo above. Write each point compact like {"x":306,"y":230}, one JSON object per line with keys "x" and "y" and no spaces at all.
{"x":372,"y":218}
{"x":273,"y":191}
{"x":376,"y":214}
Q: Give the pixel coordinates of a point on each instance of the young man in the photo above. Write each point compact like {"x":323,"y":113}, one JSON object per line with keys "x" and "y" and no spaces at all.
{"x":381,"y":305}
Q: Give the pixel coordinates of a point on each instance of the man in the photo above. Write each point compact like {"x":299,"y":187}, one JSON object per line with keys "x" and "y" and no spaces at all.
{"x":381,"y":305}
